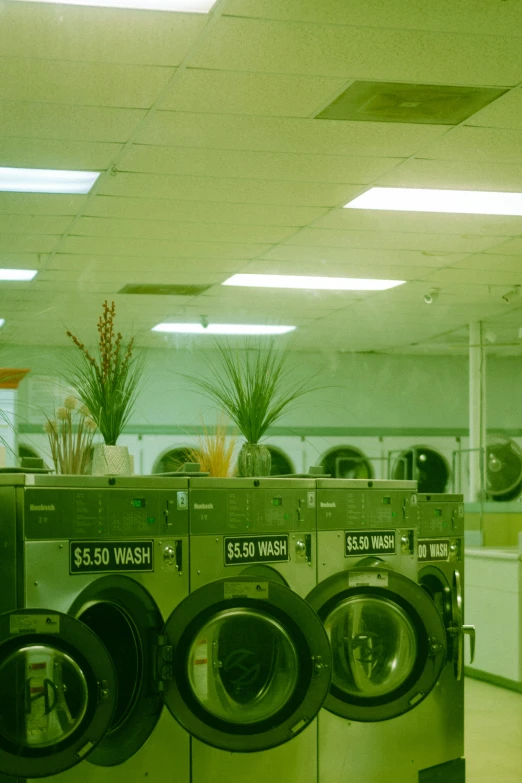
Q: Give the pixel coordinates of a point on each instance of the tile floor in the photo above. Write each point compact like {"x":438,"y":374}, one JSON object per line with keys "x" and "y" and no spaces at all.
{"x":493,"y":726}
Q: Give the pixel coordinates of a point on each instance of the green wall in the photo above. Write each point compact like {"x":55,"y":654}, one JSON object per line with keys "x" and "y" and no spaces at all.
{"x":358,"y":391}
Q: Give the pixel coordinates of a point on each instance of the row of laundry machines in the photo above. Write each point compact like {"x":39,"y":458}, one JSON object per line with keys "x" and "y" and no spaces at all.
{"x":195,"y":630}
{"x":438,"y":463}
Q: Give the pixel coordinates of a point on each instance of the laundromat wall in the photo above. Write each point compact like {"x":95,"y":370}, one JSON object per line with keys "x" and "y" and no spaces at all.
{"x":378,"y":405}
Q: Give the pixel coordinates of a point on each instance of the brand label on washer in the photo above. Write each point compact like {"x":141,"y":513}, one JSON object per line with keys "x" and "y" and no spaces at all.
{"x":369,"y":542}
{"x":257,"y":590}
{"x":368,"y":579}
{"x":256,"y":549}
{"x":34,"y":623}
{"x":433,"y":549}
{"x":87,"y":557}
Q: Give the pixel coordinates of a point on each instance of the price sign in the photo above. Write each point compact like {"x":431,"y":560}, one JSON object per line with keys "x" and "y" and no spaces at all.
{"x":433,"y":549}
{"x":369,"y":542}
{"x":110,"y":556}
{"x":256,"y":549}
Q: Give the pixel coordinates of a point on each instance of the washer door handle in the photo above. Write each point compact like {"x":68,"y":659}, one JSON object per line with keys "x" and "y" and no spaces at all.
{"x":470,"y":630}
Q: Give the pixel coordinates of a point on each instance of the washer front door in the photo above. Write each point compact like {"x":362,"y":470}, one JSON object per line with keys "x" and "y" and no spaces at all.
{"x":58,"y":692}
{"x":246,"y":665}
{"x":387,"y":638}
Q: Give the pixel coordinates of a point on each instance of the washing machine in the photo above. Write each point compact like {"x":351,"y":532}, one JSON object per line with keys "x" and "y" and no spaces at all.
{"x":440,"y":726}
{"x":260,"y":664}
{"x":387,"y":637}
{"x":91,"y":569}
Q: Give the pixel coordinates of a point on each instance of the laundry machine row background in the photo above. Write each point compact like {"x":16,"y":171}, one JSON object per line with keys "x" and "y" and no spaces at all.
{"x":380,"y":457}
{"x":56,"y":573}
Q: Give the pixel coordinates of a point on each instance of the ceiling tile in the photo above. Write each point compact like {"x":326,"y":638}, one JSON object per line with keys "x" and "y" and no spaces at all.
{"x":229,"y":92}
{"x":511,"y":247}
{"x":468,"y":16}
{"x":81,"y":83}
{"x":64,"y":32}
{"x":227,"y":189}
{"x":40,"y":204}
{"x":54,"y":154}
{"x":490,"y":262}
{"x":116,"y":247}
{"x":335,"y":269}
{"x":282,"y":134}
{"x":59,"y":121}
{"x":490,"y":277}
{"x":389,"y":240}
{"x":480,"y":144}
{"x":200,"y":211}
{"x":361,"y":257}
{"x":421,"y":222}
{"x":27,"y":243}
{"x":33,"y":224}
{"x":360,"y":53}
{"x":506,"y":112}
{"x":458,"y":175}
{"x":156,"y":229}
{"x":252,"y":164}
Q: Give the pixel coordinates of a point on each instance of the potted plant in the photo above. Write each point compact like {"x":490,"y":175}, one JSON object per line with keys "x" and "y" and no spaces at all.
{"x":70,"y":435}
{"x":253,"y":386}
{"x":214,"y":450}
{"x":108,"y":384}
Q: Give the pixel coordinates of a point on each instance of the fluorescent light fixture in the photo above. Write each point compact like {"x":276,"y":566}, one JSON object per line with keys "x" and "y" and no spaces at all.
{"x":315,"y":283}
{"x":222,"y":329}
{"x":2,"y":321}
{"x":469,"y":202}
{"x":46,"y":180}
{"x":17,"y":274}
{"x":189,"y":6}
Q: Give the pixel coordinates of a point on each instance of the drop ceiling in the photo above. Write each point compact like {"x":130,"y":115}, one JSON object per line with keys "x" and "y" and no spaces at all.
{"x":213,"y":163}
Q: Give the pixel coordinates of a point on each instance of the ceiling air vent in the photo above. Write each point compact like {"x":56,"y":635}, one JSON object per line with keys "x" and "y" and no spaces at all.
{"x":164,"y":290}
{"x":411,"y":103}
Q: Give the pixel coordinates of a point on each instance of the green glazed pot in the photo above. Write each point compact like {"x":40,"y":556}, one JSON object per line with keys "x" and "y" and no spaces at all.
{"x":254,"y":460}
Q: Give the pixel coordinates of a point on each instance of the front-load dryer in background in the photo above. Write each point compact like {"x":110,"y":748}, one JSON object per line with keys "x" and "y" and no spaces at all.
{"x":90,"y":570}
{"x":387,"y":637}
{"x":439,"y":725}
{"x":259,"y":665}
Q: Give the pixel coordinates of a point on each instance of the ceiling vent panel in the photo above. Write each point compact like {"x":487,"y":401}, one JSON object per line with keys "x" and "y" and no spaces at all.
{"x":164,"y":290}
{"x":409,"y":103}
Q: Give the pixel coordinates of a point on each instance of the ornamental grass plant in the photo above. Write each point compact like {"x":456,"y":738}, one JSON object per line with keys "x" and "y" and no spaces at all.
{"x":214,"y":450}
{"x":253,"y":385}
{"x":70,"y":435}
{"x":108,"y":382}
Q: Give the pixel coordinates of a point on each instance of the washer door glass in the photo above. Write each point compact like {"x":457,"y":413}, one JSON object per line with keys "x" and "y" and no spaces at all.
{"x":57,"y":693}
{"x":243,"y":666}
{"x":374,"y":646}
{"x":44,"y":695}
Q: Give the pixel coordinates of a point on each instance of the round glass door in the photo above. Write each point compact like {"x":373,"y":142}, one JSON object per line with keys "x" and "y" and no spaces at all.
{"x":388,"y":642}
{"x":374,"y":646}
{"x":58,"y":692}
{"x":251,"y":664}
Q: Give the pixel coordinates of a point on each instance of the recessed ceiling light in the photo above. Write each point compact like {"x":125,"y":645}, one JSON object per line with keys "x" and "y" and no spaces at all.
{"x":470,"y":202}
{"x":315,"y":283}
{"x":46,"y":180}
{"x":189,"y":6}
{"x":17,"y":274}
{"x":222,"y":329}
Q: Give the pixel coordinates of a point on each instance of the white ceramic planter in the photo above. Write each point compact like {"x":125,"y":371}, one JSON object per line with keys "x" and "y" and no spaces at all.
{"x":111,"y":461}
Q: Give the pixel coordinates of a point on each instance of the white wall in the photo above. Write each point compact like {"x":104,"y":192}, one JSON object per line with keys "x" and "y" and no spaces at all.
{"x":357,"y":390}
